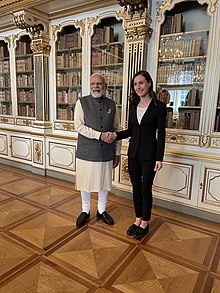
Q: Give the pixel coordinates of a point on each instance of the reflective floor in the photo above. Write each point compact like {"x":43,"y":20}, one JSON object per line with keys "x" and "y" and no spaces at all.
{"x":41,"y":250}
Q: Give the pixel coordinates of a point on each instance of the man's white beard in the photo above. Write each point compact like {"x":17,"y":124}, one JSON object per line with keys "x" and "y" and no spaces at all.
{"x":97,"y":94}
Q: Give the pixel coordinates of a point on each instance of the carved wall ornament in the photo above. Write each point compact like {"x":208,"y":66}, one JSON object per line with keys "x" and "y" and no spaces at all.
{"x":36,"y":27}
{"x":163,"y":5}
{"x":37,"y":152}
{"x":215,"y":142}
{"x":134,"y":6}
{"x":40,"y":47}
{"x":205,"y":141}
{"x":183,"y":139}
{"x":64,"y":126}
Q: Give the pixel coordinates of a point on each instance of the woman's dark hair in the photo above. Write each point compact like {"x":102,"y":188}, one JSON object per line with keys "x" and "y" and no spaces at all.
{"x":135,"y":99}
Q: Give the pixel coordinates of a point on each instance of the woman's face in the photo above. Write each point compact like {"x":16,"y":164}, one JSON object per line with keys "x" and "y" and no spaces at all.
{"x":141,"y":86}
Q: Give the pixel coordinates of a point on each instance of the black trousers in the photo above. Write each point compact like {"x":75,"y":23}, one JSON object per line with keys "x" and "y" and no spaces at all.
{"x":142,"y":175}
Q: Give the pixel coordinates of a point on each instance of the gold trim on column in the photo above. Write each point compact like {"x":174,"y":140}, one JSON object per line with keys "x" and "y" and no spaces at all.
{"x":92,"y":21}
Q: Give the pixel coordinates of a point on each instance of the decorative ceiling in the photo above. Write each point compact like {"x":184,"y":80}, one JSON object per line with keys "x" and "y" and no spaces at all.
{"x":50,"y":9}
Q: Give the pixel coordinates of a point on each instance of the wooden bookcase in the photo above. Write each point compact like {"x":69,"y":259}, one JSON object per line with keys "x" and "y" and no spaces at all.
{"x":5,"y":80}
{"x":182,"y":62}
{"x":25,"y":77}
{"x":107,"y":55}
{"x":68,"y":71}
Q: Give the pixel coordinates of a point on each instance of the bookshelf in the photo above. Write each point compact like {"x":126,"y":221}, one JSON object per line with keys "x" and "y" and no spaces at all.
{"x":68,"y":71}
{"x":217,"y":118}
{"x":5,"y":81}
{"x":107,"y":55}
{"x":182,"y":62}
{"x":25,"y":77}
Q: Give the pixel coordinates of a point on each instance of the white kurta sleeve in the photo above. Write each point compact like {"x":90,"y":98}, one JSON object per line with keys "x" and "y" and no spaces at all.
{"x":117,"y":127}
{"x":80,"y":126}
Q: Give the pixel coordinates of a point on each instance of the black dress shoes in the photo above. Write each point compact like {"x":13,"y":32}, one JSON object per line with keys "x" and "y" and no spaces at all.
{"x":131,"y":230}
{"x":82,"y":219}
{"x":141,"y":232}
{"x":105,"y":217}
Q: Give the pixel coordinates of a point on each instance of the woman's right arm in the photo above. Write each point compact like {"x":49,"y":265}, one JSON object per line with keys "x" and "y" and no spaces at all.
{"x":127,"y":132}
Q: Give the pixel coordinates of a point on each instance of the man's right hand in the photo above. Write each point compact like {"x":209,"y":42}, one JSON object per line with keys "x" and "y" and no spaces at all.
{"x":108,"y":137}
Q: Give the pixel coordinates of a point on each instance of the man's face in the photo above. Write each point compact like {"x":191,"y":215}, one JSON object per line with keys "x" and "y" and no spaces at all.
{"x":97,"y":86}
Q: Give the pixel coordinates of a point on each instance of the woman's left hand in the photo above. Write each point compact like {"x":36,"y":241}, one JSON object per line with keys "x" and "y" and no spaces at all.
{"x":158,"y":166}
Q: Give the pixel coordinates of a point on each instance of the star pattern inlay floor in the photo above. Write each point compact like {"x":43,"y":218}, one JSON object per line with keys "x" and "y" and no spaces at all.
{"x":42,"y":250}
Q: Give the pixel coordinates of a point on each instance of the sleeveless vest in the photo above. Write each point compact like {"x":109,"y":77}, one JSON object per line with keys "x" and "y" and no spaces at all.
{"x":99,"y":114}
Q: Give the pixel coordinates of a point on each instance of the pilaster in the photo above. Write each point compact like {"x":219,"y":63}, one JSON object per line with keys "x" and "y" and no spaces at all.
{"x":39,"y":32}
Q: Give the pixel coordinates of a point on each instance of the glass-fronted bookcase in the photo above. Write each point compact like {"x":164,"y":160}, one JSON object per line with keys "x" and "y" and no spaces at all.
{"x":182,"y":62}
{"x":107,"y":55}
{"x":25,"y":77}
{"x":68,"y":71}
{"x":5,"y":80}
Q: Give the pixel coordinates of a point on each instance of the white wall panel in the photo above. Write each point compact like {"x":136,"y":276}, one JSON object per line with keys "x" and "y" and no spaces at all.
{"x":3,"y":144}
{"x":21,"y":148}
{"x":62,"y":156}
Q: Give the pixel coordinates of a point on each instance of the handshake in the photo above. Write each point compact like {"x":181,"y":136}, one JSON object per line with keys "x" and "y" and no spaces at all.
{"x":108,"y":137}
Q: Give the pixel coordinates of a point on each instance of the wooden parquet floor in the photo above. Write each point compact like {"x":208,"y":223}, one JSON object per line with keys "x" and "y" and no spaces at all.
{"x":41,"y":250}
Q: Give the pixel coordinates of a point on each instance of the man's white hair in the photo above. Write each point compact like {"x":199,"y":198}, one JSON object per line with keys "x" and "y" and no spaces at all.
{"x":100,"y":75}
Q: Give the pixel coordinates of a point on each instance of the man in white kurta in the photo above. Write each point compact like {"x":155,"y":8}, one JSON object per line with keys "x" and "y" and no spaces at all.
{"x":96,"y":117}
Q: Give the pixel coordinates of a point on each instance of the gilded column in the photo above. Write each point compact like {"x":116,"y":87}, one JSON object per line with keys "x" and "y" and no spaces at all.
{"x":38,"y":30}
{"x":138,"y":32}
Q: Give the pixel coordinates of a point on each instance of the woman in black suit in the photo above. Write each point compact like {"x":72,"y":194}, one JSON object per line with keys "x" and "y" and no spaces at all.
{"x":146,"y":129}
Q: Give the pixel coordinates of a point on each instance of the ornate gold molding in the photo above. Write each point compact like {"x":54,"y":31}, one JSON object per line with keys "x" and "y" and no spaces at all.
{"x":36,"y":27}
{"x":134,"y":6}
{"x":24,"y":122}
{"x":64,"y":126}
{"x":163,"y":5}
{"x":41,"y":47}
{"x":137,"y":20}
{"x":188,"y":139}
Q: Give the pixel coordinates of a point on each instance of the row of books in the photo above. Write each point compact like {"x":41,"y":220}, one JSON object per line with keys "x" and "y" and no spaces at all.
{"x":65,"y":113}
{"x":113,"y":77}
{"x":172,"y":24}
{"x":193,"y":97}
{"x":67,"y":97}
{"x":25,"y":80}
{"x":23,"y":48}
{"x":180,"y":47}
{"x":189,"y":120}
{"x":3,"y":50}
{"x":26,"y":96}
{"x":169,"y":119}
{"x":26,"y":110}
{"x":5,"y":109}
{"x":68,"y":60}
{"x":4,"y":66}
{"x":217,"y":123}
{"x":5,"y":81}
{"x":24,"y":64}
{"x":180,"y":73}
{"x":5,"y":96}
{"x":113,"y":55}
{"x":69,"y":78}
{"x":103,"y":35}
{"x":69,"y":40}
{"x":115,"y":95}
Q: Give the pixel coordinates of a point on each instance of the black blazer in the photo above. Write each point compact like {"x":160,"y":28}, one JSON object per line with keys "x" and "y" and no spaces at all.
{"x":148,"y":138}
